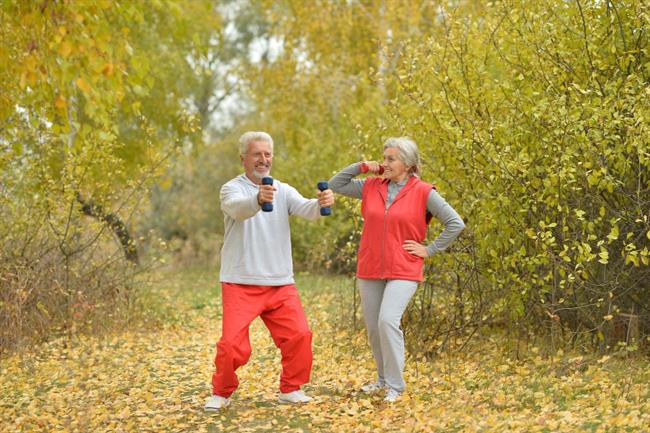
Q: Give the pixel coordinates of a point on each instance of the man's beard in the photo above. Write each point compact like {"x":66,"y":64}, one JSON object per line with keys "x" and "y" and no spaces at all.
{"x":260,"y":174}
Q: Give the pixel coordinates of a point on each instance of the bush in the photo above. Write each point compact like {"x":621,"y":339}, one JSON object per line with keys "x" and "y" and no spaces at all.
{"x":534,"y":116}
{"x":61,"y":283}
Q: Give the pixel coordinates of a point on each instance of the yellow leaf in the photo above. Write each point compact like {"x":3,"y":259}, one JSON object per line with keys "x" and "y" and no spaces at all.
{"x":30,"y":63}
{"x":65,"y":49}
{"x":613,"y":234}
{"x":604,"y":256}
{"x":59,"y":102}
{"x":632,"y":258}
{"x":107,"y":70}
{"x":608,"y":317}
{"x":81,"y":83}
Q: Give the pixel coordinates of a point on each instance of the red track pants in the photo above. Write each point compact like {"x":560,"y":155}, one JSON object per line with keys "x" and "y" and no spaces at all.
{"x":282,"y":313}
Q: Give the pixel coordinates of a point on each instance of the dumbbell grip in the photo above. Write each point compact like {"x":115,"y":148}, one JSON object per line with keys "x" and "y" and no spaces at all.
{"x":365,"y":168}
{"x":267,"y":206}
{"x":322,"y":186}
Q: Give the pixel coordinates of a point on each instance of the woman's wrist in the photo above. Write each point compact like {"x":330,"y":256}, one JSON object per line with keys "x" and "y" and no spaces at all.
{"x":363,"y":166}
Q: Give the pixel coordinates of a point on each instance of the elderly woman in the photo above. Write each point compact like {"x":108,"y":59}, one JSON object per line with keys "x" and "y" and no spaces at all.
{"x":396,"y":210}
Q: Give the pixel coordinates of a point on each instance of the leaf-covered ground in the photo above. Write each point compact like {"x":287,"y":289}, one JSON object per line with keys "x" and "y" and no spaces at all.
{"x":157,"y":380}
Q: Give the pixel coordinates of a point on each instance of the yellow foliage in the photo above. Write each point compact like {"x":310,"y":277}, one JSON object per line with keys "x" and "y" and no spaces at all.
{"x":83,"y":85}
{"x":59,"y":102}
{"x":65,"y":49}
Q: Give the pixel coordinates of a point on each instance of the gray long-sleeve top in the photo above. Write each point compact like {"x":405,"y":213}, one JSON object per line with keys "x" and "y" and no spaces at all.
{"x":257,"y":245}
{"x":344,"y":183}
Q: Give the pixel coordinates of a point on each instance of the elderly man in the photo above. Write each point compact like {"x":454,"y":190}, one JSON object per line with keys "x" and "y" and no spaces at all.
{"x":257,"y":273}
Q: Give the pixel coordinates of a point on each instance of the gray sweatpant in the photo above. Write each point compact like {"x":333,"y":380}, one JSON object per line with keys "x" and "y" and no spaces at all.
{"x":384,"y":302}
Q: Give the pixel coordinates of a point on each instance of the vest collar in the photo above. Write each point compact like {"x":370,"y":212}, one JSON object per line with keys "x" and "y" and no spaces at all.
{"x":383,"y":188}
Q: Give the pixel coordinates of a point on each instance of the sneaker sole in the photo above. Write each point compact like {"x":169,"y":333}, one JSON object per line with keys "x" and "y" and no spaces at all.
{"x":292,"y":402}
{"x":216,"y":409}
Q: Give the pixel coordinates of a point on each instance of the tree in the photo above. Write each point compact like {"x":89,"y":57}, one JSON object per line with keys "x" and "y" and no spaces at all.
{"x":532,"y":119}
{"x":93,"y":103}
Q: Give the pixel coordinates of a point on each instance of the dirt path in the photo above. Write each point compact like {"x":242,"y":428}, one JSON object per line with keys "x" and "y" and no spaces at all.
{"x":158,"y":380}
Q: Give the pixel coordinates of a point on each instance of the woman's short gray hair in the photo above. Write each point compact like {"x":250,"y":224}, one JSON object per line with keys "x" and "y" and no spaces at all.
{"x":250,"y":136}
{"x":408,"y":152}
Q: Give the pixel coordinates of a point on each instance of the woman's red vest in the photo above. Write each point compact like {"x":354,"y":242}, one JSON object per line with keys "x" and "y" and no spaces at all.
{"x":381,"y":254}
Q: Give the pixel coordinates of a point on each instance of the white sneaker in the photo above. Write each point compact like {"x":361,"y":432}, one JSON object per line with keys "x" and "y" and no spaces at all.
{"x":392,"y":395}
{"x":373,"y":387}
{"x":216,"y":402}
{"x":296,"y":396}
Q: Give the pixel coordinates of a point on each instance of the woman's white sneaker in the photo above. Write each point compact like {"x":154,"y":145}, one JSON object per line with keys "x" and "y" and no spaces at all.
{"x":373,"y":387}
{"x":216,"y":402}
{"x":296,"y":396}
{"x":392,"y":395}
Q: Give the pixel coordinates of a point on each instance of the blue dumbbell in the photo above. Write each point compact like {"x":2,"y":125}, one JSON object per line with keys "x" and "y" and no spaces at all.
{"x":267,"y":206}
{"x":322,"y":186}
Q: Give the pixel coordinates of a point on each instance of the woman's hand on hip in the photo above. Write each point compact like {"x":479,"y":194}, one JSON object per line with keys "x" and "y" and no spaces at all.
{"x":416,"y":248}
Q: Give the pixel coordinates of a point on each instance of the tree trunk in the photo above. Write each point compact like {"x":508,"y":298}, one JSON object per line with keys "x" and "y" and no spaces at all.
{"x":92,"y":209}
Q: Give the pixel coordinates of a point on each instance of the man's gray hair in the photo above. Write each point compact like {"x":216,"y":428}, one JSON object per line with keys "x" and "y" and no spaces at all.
{"x":250,"y":136}
{"x":408,"y":152}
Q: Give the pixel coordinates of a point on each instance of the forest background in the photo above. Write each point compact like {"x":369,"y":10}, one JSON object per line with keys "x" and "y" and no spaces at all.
{"x":119,"y":122}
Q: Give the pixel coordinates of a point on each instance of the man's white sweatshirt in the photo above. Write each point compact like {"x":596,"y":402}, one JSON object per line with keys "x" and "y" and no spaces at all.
{"x":257,"y":245}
